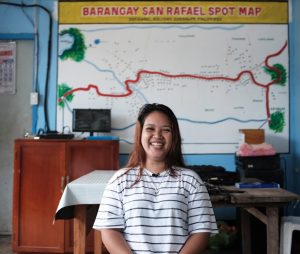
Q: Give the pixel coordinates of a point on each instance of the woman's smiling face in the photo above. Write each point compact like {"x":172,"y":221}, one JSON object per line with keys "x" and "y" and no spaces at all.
{"x":156,"y":136}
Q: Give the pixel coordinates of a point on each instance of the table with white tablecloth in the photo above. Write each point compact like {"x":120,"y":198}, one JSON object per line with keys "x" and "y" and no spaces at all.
{"x":79,"y":195}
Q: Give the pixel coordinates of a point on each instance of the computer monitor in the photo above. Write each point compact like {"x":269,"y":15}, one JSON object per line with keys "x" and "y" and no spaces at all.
{"x":91,"y":120}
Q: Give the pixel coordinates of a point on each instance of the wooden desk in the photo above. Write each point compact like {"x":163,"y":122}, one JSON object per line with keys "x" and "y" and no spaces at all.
{"x":248,"y":201}
{"x":271,"y":200}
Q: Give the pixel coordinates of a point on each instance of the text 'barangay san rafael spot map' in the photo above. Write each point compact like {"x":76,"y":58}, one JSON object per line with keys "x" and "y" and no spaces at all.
{"x":218,"y":78}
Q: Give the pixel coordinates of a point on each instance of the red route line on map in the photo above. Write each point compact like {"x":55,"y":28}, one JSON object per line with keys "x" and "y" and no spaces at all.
{"x":141,"y":72}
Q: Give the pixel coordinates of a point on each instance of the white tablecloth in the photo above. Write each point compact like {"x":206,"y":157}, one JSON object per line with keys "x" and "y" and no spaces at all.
{"x":86,"y":190}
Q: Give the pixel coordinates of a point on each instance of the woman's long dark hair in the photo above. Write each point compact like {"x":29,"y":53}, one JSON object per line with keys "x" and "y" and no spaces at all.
{"x":138,"y":156}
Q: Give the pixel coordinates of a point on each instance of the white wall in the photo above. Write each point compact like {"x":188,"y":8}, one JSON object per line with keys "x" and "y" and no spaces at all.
{"x":15,"y":118}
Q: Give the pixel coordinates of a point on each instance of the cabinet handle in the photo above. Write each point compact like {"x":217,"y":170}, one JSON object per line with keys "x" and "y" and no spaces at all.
{"x":67,"y":180}
{"x":62,"y":184}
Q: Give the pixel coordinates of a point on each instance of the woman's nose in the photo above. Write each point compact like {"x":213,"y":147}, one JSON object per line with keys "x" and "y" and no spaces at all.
{"x":158,"y":133}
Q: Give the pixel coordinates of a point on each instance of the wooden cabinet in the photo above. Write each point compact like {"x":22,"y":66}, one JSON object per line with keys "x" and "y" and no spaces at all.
{"x":42,"y":168}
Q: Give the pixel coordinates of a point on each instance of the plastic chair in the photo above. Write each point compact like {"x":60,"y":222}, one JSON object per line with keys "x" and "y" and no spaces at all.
{"x":288,"y":225}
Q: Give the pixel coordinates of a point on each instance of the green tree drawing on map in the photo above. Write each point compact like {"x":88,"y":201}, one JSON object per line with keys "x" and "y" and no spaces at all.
{"x":61,"y":91}
{"x":77,"y":51}
{"x":277,"y":121}
{"x":278,"y":74}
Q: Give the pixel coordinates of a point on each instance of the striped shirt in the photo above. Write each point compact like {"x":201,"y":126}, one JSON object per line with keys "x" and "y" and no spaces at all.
{"x":157,"y":214}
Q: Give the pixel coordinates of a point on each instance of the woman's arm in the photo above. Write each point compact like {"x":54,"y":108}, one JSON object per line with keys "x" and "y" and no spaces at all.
{"x":195,"y":244}
{"x":114,"y":241}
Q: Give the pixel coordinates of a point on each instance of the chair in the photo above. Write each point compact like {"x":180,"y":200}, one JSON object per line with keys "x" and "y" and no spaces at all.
{"x":288,"y":225}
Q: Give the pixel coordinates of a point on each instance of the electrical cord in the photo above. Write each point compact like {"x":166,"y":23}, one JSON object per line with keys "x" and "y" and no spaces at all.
{"x":47,"y":78}
{"x":36,"y":61}
{"x":284,"y":172}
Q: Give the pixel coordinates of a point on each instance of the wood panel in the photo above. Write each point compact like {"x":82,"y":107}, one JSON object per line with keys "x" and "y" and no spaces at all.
{"x":41,"y":170}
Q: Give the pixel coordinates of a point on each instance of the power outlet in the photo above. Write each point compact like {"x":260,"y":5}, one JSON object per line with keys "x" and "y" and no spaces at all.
{"x":34,"y":98}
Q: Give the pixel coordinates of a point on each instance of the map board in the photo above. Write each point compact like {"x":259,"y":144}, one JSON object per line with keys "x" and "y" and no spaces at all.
{"x":218,"y":71}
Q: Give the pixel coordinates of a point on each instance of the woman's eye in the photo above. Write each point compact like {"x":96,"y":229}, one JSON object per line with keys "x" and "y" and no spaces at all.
{"x":167,"y":130}
{"x":149,"y":129}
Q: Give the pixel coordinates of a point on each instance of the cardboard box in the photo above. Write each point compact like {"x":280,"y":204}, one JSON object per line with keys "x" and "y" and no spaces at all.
{"x":252,"y":136}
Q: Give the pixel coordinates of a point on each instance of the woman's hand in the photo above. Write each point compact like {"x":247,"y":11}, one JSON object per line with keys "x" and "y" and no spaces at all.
{"x":114,"y":241}
{"x":195,"y":244}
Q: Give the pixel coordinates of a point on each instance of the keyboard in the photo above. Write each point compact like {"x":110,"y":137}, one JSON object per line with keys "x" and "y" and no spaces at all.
{"x":56,"y":136}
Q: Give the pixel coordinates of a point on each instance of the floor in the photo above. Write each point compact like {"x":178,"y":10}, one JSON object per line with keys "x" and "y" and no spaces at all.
{"x":5,"y":245}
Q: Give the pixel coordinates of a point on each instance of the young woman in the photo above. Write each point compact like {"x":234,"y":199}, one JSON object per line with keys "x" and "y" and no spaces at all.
{"x":155,"y":205}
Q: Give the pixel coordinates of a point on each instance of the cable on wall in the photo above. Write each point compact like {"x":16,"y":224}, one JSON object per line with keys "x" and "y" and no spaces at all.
{"x":49,"y":47}
{"x":35,"y":88}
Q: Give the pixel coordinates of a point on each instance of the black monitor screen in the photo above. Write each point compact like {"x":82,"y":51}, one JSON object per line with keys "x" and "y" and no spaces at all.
{"x":91,"y":120}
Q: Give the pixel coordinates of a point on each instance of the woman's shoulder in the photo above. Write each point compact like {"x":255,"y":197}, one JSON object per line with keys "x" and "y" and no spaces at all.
{"x":190,"y":179}
{"x":187,"y":172}
{"x":123,"y":173}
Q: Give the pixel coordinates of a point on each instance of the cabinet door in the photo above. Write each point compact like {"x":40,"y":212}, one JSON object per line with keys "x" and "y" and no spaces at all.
{"x":39,"y":170}
{"x":84,"y":156}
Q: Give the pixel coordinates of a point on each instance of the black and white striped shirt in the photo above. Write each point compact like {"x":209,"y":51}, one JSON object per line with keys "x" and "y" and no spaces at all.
{"x":157,"y":214}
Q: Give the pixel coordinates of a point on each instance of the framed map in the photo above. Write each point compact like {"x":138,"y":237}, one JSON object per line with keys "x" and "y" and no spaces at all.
{"x":219,"y":67}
